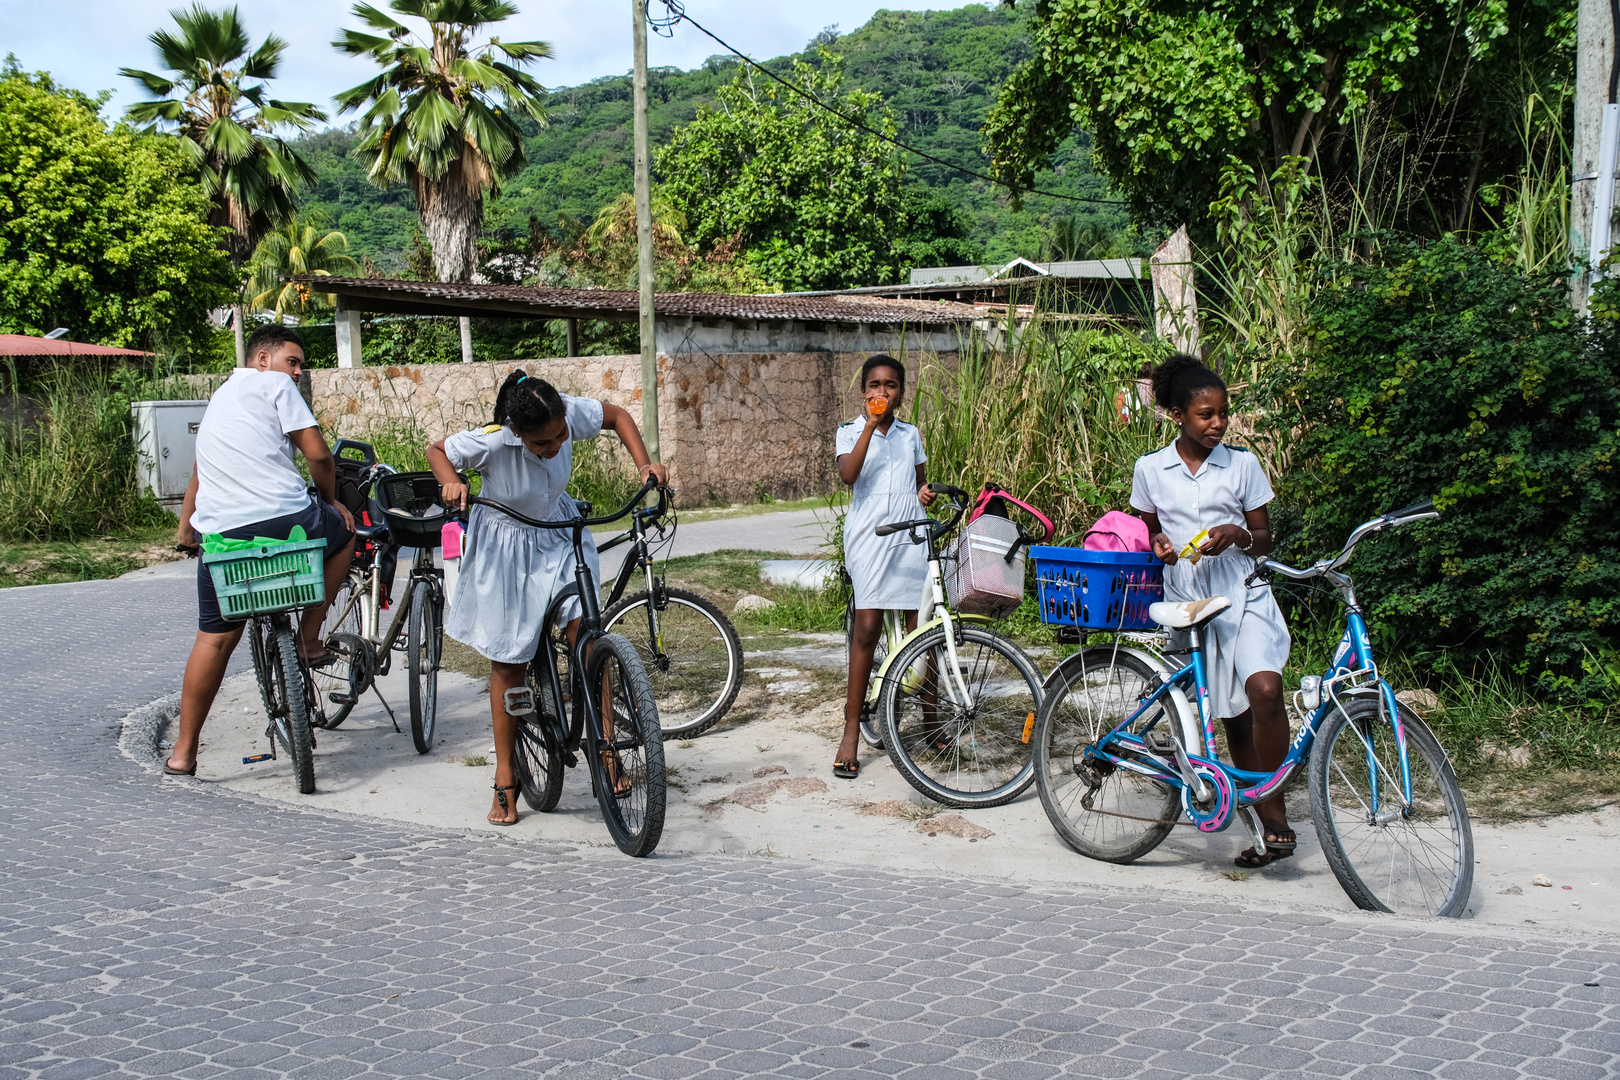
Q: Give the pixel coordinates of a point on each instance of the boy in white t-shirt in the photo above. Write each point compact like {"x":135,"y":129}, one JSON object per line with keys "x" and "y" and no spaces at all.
{"x":247,"y":484}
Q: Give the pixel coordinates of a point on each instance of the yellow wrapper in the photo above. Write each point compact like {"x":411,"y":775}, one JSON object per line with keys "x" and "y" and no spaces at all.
{"x":1191,"y":550}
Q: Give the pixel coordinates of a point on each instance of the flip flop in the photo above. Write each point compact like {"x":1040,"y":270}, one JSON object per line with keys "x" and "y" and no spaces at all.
{"x":325,"y":658}
{"x":846,"y":770}
{"x":171,"y":771}
{"x":1254,"y":860}
{"x":1277,"y":847}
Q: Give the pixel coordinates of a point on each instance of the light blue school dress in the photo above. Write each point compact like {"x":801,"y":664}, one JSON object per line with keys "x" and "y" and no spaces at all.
{"x":511,"y":571}
{"x":1250,"y":636}
{"x":888,"y":572}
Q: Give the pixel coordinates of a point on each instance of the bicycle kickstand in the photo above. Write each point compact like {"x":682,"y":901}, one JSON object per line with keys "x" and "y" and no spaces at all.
{"x":389,"y":709}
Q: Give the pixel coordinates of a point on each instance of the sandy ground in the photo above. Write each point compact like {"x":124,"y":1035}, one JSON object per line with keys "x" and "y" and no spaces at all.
{"x":765,"y":787}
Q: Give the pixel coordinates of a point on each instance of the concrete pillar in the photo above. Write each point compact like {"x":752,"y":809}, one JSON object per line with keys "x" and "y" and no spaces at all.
{"x":573,"y":336}
{"x":1594,"y":87}
{"x":347,"y":324}
{"x":466,"y":340}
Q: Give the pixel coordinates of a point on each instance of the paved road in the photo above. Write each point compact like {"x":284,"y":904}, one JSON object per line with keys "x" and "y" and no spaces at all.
{"x":156,"y":927}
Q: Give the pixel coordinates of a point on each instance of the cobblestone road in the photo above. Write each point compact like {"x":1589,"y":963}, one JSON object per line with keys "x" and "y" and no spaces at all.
{"x":155,"y":927}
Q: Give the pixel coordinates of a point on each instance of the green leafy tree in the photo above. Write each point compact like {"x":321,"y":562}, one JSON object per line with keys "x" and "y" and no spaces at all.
{"x":215,"y":99}
{"x":816,"y":201}
{"x":1424,"y":93}
{"x":300,"y":245}
{"x":103,"y":231}
{"x":1440,"y":373}
{"x":440,"y":116}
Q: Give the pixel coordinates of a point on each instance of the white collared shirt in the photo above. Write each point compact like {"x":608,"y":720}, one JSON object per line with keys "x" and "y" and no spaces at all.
{"x":246,"y":471}
{"x":1229,"y":483}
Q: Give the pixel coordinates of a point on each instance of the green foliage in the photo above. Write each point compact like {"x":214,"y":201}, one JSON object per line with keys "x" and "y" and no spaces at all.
{"x":1171,"y":90}
{"x":215,"y":100}
{"x":938,"y":71}
{"x":102,"y":230}
{"x":71,"y":473}
{"x":442,"y":115}
{"x":300,"y":245}
{"x":812,"y":198}
{"x":1440,"y":373}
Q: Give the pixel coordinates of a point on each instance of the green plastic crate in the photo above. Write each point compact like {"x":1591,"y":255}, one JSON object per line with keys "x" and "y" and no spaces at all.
{"x":276,"y":577}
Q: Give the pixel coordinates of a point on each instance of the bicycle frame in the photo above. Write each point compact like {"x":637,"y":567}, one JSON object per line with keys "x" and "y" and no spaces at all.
{"x":894,"y":628}
{"x":1236,"y":790}
{"x":639,"y":557}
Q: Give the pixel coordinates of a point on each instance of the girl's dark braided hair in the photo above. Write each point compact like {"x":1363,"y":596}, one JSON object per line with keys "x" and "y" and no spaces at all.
{"x":1179,"y":379}
{"x":527,"y":404}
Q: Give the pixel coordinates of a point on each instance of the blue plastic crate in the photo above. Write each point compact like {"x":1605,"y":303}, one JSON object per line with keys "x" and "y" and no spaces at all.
{"x":1099,"y":590}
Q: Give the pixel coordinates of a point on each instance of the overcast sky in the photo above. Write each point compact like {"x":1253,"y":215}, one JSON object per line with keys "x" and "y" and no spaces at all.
{"x":83,"y":43}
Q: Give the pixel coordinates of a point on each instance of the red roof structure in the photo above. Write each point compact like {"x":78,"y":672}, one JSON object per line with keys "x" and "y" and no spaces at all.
{"x":23,"y":345}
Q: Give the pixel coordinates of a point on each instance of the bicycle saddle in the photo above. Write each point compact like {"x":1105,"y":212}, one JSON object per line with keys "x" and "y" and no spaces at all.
{"x":1186,"y":614}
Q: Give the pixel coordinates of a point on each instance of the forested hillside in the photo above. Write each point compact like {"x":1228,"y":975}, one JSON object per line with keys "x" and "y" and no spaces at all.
{"x":938,"y":71}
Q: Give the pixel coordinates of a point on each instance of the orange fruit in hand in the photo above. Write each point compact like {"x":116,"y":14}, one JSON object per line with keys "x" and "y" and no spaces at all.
{"x":878,"y":406}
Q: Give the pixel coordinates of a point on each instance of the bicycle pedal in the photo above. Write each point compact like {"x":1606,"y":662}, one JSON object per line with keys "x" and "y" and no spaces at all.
{"x":1160,"y":742}
{"x":519,"y":701}
{"x":255,"y":758}
{"x":570,"y":759}
{"x":339,"y":698}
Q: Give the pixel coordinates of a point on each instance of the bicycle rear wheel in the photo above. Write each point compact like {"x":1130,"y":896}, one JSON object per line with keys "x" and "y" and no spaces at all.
{"x":627,"y":762}
{"x":696,"y":667}
{"x":538,"y":765}
{"x":281,"y":683}
{"x":1102,"y":811}
{"x":343,"y":617}
{"x":423,"y":643}
{"x":1415,"y":859}
{"x":962,"y":753}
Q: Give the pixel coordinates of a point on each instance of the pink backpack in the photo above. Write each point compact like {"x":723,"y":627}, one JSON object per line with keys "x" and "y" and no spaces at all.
{"x":1115,"y":531}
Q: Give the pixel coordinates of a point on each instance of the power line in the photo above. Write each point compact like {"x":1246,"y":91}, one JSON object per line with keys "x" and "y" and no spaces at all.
{"x":664,"y":25}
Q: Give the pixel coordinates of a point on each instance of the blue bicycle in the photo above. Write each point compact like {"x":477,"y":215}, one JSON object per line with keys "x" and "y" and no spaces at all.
{"x":1121,"y":757}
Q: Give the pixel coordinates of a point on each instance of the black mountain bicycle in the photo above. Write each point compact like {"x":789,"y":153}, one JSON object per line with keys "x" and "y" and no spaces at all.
{"x":613,"y":710}
{"x":691,"y":651}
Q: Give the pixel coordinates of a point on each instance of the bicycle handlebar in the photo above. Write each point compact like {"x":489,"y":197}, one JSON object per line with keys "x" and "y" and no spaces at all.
{"x":954,"y":495}
{"x":1418,"y":511}
{"x":575,"y":522}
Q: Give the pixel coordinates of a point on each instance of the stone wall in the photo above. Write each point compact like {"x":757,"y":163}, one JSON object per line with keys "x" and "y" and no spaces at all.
{"x":732,"y":425}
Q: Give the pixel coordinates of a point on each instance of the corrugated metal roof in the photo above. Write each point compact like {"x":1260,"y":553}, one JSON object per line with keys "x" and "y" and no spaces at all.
{"x":23,"y":345}
{"x":1082,"y":270}
{"x":623,"y":305}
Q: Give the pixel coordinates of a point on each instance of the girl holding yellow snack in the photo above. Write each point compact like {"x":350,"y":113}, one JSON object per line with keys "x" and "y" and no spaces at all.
{"x":1204,"y":503}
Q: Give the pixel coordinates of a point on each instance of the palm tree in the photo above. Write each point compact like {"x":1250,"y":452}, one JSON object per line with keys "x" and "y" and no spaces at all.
{"x":215,"y":100}
{"x":299,"y":245}
{"x":433,"y":120}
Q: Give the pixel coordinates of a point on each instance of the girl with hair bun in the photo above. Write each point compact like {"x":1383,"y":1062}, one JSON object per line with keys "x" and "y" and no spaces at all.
{"x":510,"y":571}
{"x":1201,"y":485}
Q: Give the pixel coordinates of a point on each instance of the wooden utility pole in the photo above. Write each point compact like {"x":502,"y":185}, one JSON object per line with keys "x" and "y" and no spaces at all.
{"x":1595,"y":76}
{"x":644,"y":239}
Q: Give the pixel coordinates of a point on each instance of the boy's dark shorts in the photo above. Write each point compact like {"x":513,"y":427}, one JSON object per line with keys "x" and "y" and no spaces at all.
{"x":319,"y":520}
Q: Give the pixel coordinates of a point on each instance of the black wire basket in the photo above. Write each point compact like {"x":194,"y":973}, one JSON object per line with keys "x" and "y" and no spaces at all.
{"x":411,"y":505}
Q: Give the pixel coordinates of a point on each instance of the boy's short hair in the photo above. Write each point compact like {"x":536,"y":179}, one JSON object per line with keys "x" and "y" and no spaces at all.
{"x":883,"y":360}
{"x":272,"y":337}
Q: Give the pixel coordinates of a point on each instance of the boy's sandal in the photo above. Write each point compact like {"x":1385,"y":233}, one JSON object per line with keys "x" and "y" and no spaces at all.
{"x":1253,"y":860}
{"x":1280,"y":843}
{"x":172,"y":771}
{"x":846,"y":770}
{"x":500,"y":797}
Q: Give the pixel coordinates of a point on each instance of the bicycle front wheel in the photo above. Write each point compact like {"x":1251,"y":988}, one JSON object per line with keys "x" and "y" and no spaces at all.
{"x":1100,"y":810}
{"x":962,"y":753}
{"x":626,"y":746}
{"x":1412,"y":858}
{"x":695,"y":666}
{"x":423,"y":642}
{"x":281,"y":683}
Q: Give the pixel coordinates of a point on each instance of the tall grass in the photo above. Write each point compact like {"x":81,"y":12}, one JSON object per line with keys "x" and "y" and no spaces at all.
{"x":1036,"y":409}
{"x":69,"y":472}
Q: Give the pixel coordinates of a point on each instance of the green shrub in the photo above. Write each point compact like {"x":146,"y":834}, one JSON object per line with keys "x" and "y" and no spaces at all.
{"x":1440,"y":374}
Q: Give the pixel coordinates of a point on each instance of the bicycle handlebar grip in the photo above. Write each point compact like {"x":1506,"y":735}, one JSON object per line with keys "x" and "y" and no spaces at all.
{"x":888,"y":530}
{"x":1424,"y":507}
{"x":946,"y":489}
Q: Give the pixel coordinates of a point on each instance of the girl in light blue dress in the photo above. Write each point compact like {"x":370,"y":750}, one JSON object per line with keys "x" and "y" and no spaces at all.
{"x":881,"y":457}
{"x":511,"y":571}
{"x":1200,"y":483}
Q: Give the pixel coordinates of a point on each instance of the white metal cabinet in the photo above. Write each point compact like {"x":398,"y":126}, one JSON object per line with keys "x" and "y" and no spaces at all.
{"x":166,"y":442}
